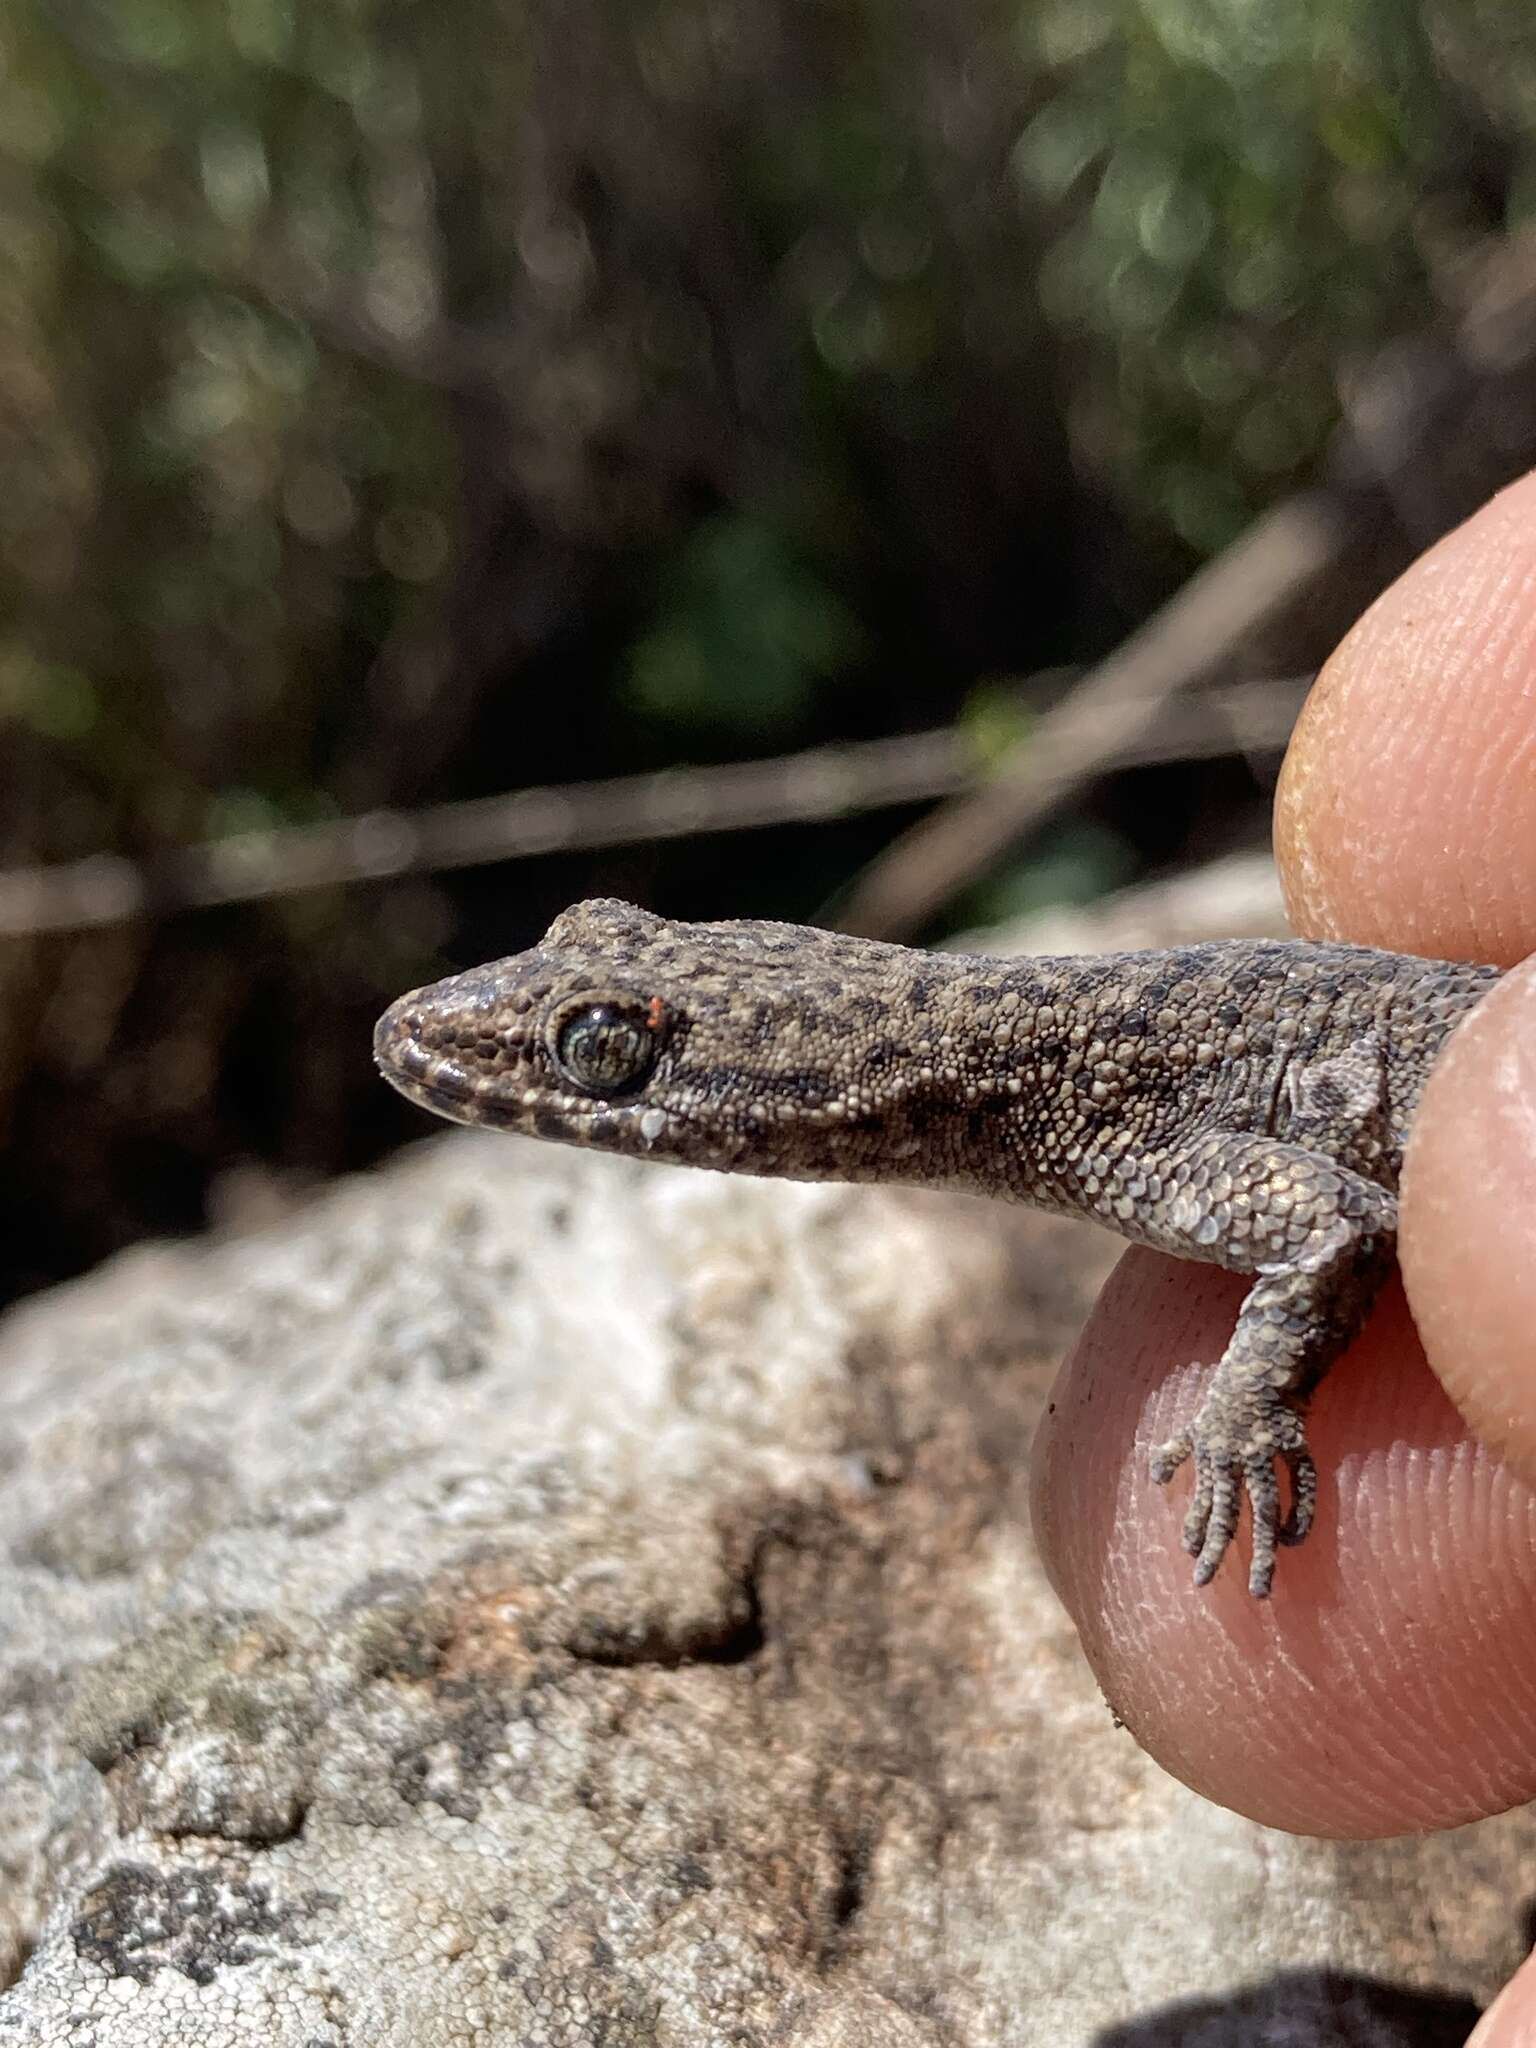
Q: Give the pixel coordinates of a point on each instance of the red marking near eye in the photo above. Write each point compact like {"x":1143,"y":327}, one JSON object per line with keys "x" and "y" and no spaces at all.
{"x":655,"y":1013}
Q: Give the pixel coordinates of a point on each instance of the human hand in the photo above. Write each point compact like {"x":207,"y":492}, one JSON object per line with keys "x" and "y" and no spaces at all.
{"x":1389,"y":1685}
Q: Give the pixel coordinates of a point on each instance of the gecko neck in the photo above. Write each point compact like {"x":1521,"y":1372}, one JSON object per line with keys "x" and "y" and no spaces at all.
{"x":991,"y":1063}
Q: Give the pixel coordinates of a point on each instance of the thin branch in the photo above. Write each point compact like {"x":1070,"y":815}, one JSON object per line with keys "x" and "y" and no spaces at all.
{"x":1107,"y":718}
{"x":805,"y":788}
{"x":1423,"y":426}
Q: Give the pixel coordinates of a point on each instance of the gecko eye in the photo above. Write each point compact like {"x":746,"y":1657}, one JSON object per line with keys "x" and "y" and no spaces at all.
{"x":606,"y":1047}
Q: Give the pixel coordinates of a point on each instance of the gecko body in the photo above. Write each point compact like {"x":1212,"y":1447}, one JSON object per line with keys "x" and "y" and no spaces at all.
{"x":1244,"y":1103}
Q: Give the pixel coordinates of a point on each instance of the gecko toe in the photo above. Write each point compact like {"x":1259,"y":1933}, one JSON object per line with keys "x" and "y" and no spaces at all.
{"x":1168,"y":1457}
{"x":1221,"y":1523}
{"x":1303,"y":1496}
{"x":1264,"y":1499}
{"x":1197,"y":1517}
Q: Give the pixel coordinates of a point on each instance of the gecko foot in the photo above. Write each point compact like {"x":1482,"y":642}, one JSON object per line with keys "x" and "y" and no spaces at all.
{"x":1234,"y":1440}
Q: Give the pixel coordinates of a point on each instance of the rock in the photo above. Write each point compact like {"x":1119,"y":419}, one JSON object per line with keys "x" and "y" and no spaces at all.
{"x":531,"y":1600}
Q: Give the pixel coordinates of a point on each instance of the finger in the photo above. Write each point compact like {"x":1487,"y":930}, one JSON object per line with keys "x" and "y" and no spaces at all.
{"x":1406,"y":812}
{"x":1510,"y":2022}
{"x":1389,"y":1683}
{"x":1468,"y":1219}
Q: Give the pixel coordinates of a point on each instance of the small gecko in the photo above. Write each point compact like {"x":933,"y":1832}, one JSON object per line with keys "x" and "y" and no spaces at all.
{"x":1244,"y":1103}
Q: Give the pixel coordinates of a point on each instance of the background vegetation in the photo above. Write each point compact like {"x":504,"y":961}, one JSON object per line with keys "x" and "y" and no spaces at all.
{"x":401,"y":402}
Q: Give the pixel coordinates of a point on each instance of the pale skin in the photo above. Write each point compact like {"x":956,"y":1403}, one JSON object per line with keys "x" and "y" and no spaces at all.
{"x":1390,"y":1684}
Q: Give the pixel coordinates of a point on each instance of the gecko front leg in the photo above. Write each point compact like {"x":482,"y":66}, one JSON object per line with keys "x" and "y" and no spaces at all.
{"x":1319,"y":1237}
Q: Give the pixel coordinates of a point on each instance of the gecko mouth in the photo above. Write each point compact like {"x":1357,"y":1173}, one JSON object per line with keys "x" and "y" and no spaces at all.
{"x":412,"y":1073}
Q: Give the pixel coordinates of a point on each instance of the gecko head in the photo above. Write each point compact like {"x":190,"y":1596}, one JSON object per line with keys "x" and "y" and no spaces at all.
{"x":759,"y":1047}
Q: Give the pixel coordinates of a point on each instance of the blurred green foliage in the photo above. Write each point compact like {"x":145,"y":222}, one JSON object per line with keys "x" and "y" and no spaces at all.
{"x":1247,"y":194}
{"x":744,"y":632}
{"x":254,"y":254}
{"x":1074,"y":863}
{"x":290,"y":296}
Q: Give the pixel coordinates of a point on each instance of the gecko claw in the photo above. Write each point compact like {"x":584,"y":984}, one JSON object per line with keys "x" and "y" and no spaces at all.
{"x":1168,"y":1457}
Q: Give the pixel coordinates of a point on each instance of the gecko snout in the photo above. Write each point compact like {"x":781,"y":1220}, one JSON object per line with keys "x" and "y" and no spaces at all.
{"x":449,"y":1036}
{"x":397,"y":1037}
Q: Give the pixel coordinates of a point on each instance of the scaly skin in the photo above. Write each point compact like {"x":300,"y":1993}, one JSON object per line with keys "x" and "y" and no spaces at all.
{"x":1242,"y":1103}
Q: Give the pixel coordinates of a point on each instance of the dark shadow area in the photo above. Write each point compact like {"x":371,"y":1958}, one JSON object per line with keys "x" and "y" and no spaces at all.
{"x":1306,"y":2009}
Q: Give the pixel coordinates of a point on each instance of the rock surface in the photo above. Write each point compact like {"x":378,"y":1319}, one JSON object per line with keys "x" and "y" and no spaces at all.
{"x":529,"y":1600}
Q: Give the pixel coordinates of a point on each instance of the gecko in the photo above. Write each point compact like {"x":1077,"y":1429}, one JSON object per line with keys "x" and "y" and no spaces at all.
{"x":1241,"y":1102}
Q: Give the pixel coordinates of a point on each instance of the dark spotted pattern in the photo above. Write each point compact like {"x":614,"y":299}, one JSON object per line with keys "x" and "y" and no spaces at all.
{"x":1240,"y":1103}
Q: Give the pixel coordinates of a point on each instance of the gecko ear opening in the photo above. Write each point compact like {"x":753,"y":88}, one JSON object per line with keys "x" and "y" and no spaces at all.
{"x":605,"y":1045}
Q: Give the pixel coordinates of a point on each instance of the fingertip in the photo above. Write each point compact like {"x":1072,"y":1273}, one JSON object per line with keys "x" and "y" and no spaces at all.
{"x":1406,"y":811}
{"x":1388,"y":1685}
